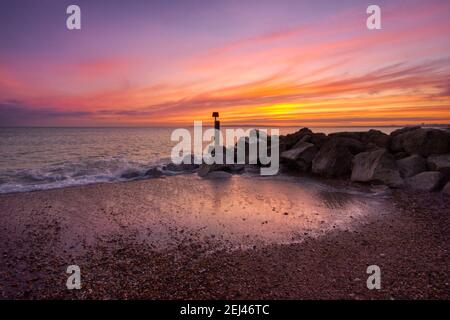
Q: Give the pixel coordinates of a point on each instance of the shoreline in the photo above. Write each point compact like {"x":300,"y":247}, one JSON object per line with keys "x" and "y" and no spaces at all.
{"x":101,"y":228}
{"x":409,"y":157}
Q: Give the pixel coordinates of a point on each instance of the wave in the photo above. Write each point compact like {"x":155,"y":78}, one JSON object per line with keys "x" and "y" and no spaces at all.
{"x":64,"y":174}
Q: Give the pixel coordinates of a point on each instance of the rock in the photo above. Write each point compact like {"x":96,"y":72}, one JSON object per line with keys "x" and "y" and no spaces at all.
{"x":247,"y":144}
{"x":218,"y":175}
{"x":403,"y":130}
{"x":332,"y":160}
{"x":376,"y":138}
{"x":371,"y":137}
{"x":349,"y":135}
{"x":353,"y":145}
{"x":288,"y":141}
{"x":376,"y":166}
{"x":411,"y":166}
{"x":301,"y":156}
{"x":153,"y":172}
{"x":306,"y":138}
{"x":319,"y":139}
{"x":425,"y":181}
{"x":446,"y":189}
{"x":398,"y":136}
{"x":421,"y":141}
{"x":440,"y":163}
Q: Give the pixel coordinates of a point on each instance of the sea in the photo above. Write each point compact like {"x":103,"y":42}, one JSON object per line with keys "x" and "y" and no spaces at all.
{"x":46,"y":158}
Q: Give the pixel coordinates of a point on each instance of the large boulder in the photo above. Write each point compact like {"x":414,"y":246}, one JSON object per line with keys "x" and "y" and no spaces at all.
{"x":403,"y":130}
{"x":319,"y":139}
{"x":376,"y":138}
{"x":440,"y":163}
{"x":412,"y":165}
{"x":371,"y":138}
{"x":288,"y":141}
{"x":301,"y":156}
{"x":332,"y":160}
{"x":352,"y":145}
{"x":421,"y":141}
{"x":357,"y":135}
{"x":425,"y":181}
{"x":377,"y":166}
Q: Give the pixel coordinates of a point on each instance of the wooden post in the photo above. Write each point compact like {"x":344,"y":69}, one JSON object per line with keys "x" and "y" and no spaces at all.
{"x":217,"y":127}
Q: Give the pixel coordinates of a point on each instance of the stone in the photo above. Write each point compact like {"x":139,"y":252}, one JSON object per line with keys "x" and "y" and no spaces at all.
{"x":303,"y":150}
{"x":425,"y":181}
{"x":377,"y":166}
{"x":412,"y":165}
{"x":371,"y":137}
{"x":376,"y":138}
{"x":288,"y":141}
{"x":397,"y":138}
{"x":352,"y":145}
{"x":403,"y":130}
{"x":332,"y":160}
{"x":440,"y":163}
{"x":357,"y":135}
{"x":420,"y":141}
{"x":301,"y":156}
{"x":319,"y":139}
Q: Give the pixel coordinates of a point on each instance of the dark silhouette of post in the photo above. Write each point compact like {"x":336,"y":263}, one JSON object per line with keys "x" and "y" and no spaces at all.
{"x":217,"y":128}
{"x":216,"y":122}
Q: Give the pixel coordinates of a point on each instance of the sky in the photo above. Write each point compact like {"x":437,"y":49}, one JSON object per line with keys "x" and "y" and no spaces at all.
{"x":257,"y":62}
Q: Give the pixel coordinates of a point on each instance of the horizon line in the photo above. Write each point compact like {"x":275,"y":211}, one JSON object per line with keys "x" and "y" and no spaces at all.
{"x":231,"y":125}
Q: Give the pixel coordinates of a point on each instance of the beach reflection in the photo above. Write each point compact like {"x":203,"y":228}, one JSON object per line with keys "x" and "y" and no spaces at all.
{"x":173,"y":211}
{"x":247,"y":211}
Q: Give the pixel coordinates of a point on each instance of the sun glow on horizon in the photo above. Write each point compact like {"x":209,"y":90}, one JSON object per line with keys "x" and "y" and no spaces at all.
{"x":325,"y":69}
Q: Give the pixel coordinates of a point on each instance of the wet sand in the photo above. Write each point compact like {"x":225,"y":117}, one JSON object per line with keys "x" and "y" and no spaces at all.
{"x":184,"y":237}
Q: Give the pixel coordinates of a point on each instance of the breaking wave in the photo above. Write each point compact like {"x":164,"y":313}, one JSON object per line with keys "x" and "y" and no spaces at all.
{"x":64,"y":174}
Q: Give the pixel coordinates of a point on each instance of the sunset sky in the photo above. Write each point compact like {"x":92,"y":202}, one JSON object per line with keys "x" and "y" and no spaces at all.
{"x":257,"y":62}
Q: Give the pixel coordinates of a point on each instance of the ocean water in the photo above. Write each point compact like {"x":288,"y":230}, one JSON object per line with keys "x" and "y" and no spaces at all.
{"x":45,"y":158}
